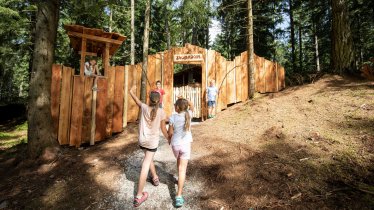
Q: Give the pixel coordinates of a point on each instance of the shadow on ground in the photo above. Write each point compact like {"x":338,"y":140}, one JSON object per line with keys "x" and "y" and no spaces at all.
{"x":280,"y":175}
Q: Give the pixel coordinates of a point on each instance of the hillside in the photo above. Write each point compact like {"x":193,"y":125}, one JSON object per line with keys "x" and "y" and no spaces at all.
{"x":309,"y":146}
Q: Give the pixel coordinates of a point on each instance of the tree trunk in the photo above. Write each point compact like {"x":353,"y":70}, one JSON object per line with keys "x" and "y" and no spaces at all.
{"x":143,"y":91}
{"x":110,"y":19}
{"x":32,"y":39}
{"x":40,"y":127}
{"x":342,"y":55}
{"x":300,"y":49}
{"x":251,"y":67}
{"x":132,"y":52}
{"x":292,"y":26}
{"x":207,"y":29}
{"x":167,"y":30}
{"x":318,"y":67}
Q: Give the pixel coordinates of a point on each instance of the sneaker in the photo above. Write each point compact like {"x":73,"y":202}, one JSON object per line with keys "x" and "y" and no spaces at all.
{"x":139,"y":201}
{"x":179,"y":201}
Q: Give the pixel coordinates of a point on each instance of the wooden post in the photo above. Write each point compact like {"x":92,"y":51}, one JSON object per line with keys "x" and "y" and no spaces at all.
{"x":126,"y":96}
{"x":83,"y":57}
{"x":93,"y":112}
{"x":106,"y":59}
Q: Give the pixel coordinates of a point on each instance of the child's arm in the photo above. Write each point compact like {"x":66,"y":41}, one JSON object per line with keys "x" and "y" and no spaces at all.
{"x":163,"y":130}
{"x":190,"y":104}
{"x":136,"y":99}
{"x":170,"y":132}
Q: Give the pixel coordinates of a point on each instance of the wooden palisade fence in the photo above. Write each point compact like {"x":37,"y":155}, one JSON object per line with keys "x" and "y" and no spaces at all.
{"x":72,"y":95}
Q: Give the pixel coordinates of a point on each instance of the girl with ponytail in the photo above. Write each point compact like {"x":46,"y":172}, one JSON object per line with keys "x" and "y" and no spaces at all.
{"x":152,"y":119}
{"x":181,"y":138}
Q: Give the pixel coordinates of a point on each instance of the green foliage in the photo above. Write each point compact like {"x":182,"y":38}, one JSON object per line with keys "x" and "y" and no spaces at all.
{"x":183,"y":21}
{"x":15,"y":49}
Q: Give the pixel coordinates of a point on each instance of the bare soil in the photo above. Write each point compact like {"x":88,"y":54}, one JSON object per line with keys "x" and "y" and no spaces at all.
{"x":307,"y":147}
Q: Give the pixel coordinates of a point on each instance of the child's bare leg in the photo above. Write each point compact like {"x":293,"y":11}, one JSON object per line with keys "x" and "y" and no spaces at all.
{"x":152,"y":168}
{"x":148,"y":158}
{"x":182,"y":169}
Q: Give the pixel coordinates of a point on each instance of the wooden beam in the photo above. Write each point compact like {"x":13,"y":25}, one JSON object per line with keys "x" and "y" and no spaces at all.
{"x":88,"y":53}
{"x":94,"y":38}
{"x":83,"y":57}
{"x":106,"y":59}
{"x":93,"y":112}
{"x":125,"y":106}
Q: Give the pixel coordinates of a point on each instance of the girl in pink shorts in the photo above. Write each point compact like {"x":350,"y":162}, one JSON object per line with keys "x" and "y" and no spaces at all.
{"x":181,"y":138}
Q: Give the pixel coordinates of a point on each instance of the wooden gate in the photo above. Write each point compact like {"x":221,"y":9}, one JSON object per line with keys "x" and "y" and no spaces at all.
{"x":192,"y":93}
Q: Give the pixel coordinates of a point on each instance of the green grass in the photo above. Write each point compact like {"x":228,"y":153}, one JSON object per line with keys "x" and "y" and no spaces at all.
{"x":13,"y":138}
{"x":22,"y":127}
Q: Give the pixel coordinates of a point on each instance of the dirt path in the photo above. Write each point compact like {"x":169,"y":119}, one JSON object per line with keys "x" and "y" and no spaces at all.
{"x":163,"y":195}
{"x":306,"y":147}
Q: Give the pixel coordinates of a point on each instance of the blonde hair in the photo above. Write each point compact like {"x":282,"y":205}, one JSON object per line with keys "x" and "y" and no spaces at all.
{"x":182,"y":105}
{"x":154,"y":101}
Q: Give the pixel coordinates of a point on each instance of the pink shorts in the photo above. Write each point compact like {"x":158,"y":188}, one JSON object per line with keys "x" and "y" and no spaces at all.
{"x":182,"y":151}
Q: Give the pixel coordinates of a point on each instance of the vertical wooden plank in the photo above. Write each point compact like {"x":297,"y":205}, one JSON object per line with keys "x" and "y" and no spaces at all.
{"x":109,"y":114}
{"x":118,"y":99}
{"x":281,"y":75}
{"x":212,"y":65}
{"x":55,"y":95}
{"x":93,"y":111}
{"x":168,"y":77}
{"x":158,"y":67}
{"x":126,"y":97}
{"x":132,"y":107}
{"x":151,"y":74}
{"x":65,"y":106}
{"x":204,"y":75}
{"x":260,"y":74}
{"x":83,"y":56}
{"x":87,"y":109}
{"x":221,"y":81}
{"x":77,"y":112}
{"x":230,"y":82}
{"x":245,"y":78}
{"x":276,"y":76}
{"x":101,"y":109}
{"x":106,"y":59}
{"x":212,"y":69}
{"x":238,"y":81}
{"x":269,"y":76}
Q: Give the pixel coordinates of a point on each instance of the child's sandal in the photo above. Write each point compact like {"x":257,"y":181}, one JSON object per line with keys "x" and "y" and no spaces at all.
{"x":156,"y":181}
{"x":139,"y":201}
{"x":179,"y":201}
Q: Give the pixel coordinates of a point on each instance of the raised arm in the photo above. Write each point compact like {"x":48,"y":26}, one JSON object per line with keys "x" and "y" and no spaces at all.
{"x":133,"y":96}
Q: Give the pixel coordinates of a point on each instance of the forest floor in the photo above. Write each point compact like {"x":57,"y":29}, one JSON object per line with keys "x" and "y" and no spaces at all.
{"x":307,"y":147}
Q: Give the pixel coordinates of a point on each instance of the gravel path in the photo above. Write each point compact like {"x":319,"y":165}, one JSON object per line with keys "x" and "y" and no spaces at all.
{"x":162,"y":196}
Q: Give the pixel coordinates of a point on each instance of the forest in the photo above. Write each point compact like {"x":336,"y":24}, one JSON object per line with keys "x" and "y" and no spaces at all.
{"x":310,"y":145}
{"x":297,"y":34}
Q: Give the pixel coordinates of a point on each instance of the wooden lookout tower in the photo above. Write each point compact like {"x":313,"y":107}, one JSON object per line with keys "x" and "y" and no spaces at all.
{"x":93,"y":42}
{"x":87,"y":109}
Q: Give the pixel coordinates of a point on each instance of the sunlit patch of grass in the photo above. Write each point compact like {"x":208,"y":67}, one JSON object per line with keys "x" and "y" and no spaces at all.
{"x":12,"y":143}
{"x":4,"y":135}
{"x":22,"y":127}
{"x":13,"y":138}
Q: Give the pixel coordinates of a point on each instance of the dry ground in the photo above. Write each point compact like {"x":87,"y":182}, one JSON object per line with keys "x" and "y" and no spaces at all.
{"x":307,"y":147}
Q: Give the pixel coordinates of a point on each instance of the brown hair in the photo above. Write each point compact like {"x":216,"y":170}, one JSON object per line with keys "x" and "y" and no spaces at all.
{"x":182,"y":105}
{"x":154,"y":101}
